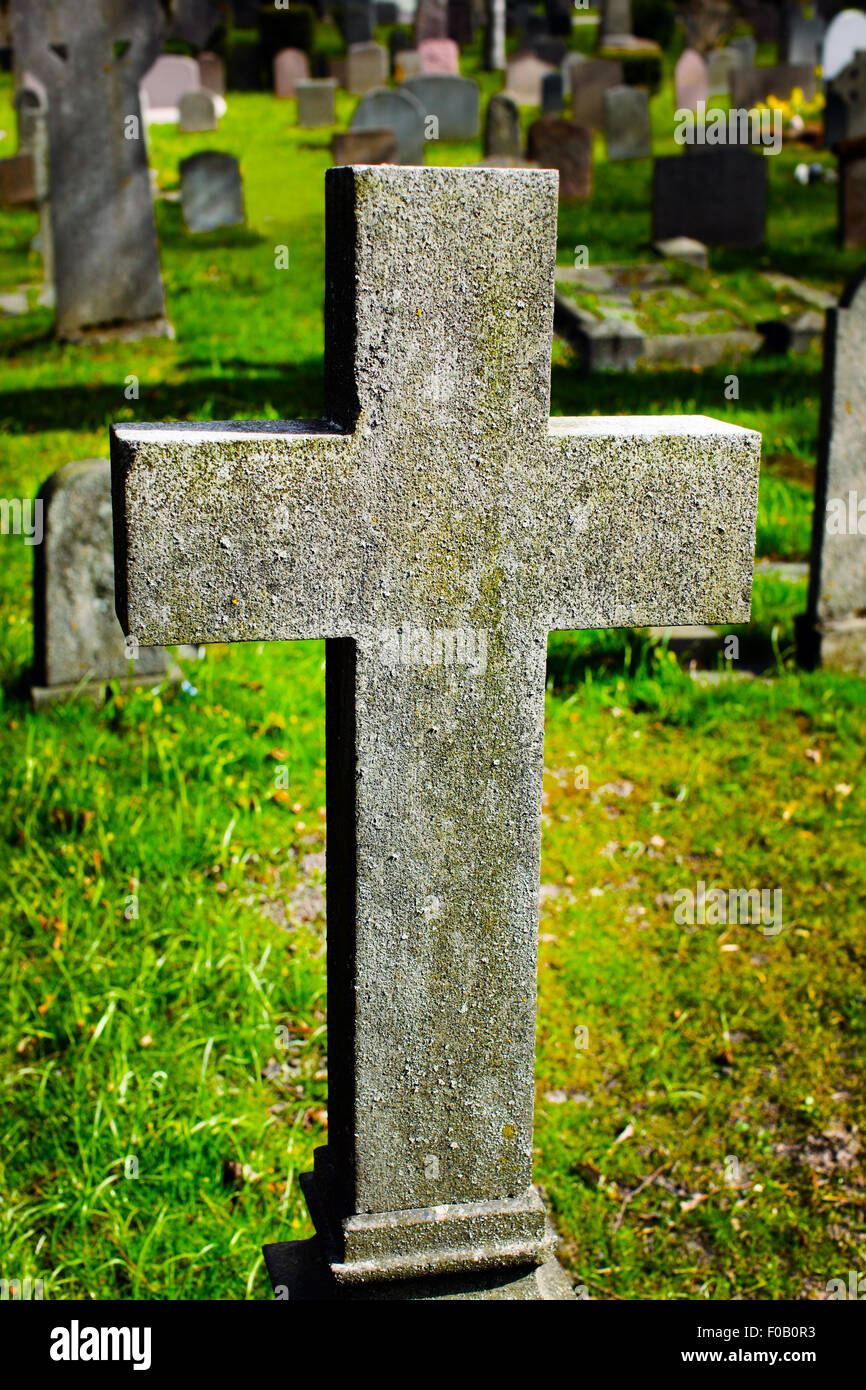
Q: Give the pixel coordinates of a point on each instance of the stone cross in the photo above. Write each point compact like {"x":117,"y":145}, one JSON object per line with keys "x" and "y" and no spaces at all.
{"x":433,"y":528}
{"x":834,"y":629}
{"x":106,"y":261}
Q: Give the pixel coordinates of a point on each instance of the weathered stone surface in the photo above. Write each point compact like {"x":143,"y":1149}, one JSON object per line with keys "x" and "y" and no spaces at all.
{"x":523,"y":77}
{"x":77,"y":635}
{"x":589,"y":82}
{"x":454,"y":101}
{"x":211,"y":192}
{"x":852,"y":193}
{"x":431,"y":20}
{"x":317,"y":101}
{"x":396,"y":110}
{"x":291,"y":66}
{"x":365,"y":147}
{"x":602,"y":345}
{"x":163,"y":85}
{"x":690,"y":81}
{"x":551,"y":94}
{"x":749,"y":86}
{"x":558,"y":144}
{"x":502,"y":128}
{"x":433,"y":530}
{"x":440,"y":55}
{"x":17,"y":180}
{"x":627,"y":123}
{"x":718,"y":197}
{"x":198,"y":111}
{"x":106,"y":260}
{"x":366,"y":67}
{"x":834,"y":632}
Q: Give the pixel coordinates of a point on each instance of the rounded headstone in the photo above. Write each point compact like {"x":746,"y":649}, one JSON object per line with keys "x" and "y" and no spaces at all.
{"x":845,"y":36}
{"x":397,"y":110}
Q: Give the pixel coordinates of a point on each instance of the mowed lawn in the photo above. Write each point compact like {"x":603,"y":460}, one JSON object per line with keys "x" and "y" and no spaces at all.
{"x":164,"y":1078}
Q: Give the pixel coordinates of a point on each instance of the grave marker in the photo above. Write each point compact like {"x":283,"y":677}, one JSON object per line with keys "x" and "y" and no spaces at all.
{"x":502,"y":128}
{"x":291,"y":66}
{"x":163,"y":85}
{"x":198,"y":111}
{"x":454,"y":101}
{"x":439,"y":55}
{"x":589,"y":82}
{"x":317,"y":102}
{"x":718,"y":196}
{"x":555,"y":143}
{"x":365,"y":147}
{"x":845,"y":37}
{"x":211,"y":192}
{"x":366,"y":67}
{"x":833,"y":631}
{"x":398,"y":110}
{"x":690,"y":81}
{"x":627,"y":123}
{"x":433,"y":531}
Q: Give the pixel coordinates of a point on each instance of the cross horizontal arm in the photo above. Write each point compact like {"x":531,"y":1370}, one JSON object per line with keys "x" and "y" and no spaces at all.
{"x":647,"y":520}
{"x":233,"y":532}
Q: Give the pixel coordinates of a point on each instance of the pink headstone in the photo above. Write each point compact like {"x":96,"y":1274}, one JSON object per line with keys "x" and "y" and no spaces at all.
{"x":440,"y":55}
{"x":690,"y":80}
{"x":168,"y":80}
{"x":290,"y":66}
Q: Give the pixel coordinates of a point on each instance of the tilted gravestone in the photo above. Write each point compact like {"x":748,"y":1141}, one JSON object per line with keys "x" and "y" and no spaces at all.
{"x":558,"y":144}
{"x":316,"y":102}
{"x":90,"y":60}
{"x":198,"y":111}
{"x":396,"y":110}
{"x":627,"y":123}
{"x":77,"y":638}
{"x":718,"y":197}
{"x":502,"y":128}
{"x":834,"y":629}
{"x":211,"y":191}
{"x":365,"y":147}
{"x":454,"y":101}
{"x":434,"y":530}
{"x":691,"y":82}
{"x":589,"y":82}
{"x":290,"y":67}
{"x":366,"y":67}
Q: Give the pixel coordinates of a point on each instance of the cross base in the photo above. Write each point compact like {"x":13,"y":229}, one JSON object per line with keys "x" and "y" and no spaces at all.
{"x":453,"y":1238}
{"x":299,"y":1272}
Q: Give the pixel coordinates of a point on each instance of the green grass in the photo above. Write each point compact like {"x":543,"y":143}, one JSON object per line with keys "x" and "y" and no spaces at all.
{"x":161,"y":928}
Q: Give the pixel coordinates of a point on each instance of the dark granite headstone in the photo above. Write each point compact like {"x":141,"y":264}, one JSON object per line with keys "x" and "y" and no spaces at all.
{"x":554,"y":143}
{"x":502,"y":128}
{"x":551,"y":94}
{"x":718,"y":197}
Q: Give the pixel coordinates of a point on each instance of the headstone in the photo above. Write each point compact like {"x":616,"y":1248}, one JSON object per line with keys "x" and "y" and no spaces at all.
{"x":845,"y":109}
{"x":211,"y":192}
{"x":198,"y":111}
{"x":366,"y":67}
{"x":435,"y":585}
{"x":720,"y":64}
{"x":90,"y":61}
{"x":502,"y":128}
{"x":440,"y":55}
{"x":554,"y":143}
{"x":745,"y":49}
{"x":365,"y":147}
{"x":285,"y":28}
{"x":17,"y":180}
{"x":845,"y":37}
{"x":627,"y":123}
{"x":406,"y":64}
{"x":494,"y":35}
{"x":551,"y":94}
{"x":751,"y":86}
{"x":690,"y":81}
{"x":615,"y":23}
{"x":834,"y":630}
{"x":431,"y":20}
{"x":212,"y":73}
{"x":803,"y":37}
{"x":523,"y":78}
{"x":852,"y":192}
{"x":317,"y":102}
{"x":589,"y":82}
{"x":291,"y":66}
{"x":398,"y":110}
{"x":718,"y":197}
{"x":550,"y":50}
{"x":454,"y":101}
{"x":356,"y":19}
{"x":163,"y":85}
{"x":78,"y":641}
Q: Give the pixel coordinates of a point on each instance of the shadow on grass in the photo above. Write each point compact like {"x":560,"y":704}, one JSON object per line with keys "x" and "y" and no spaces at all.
{"x":637,"y":393}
